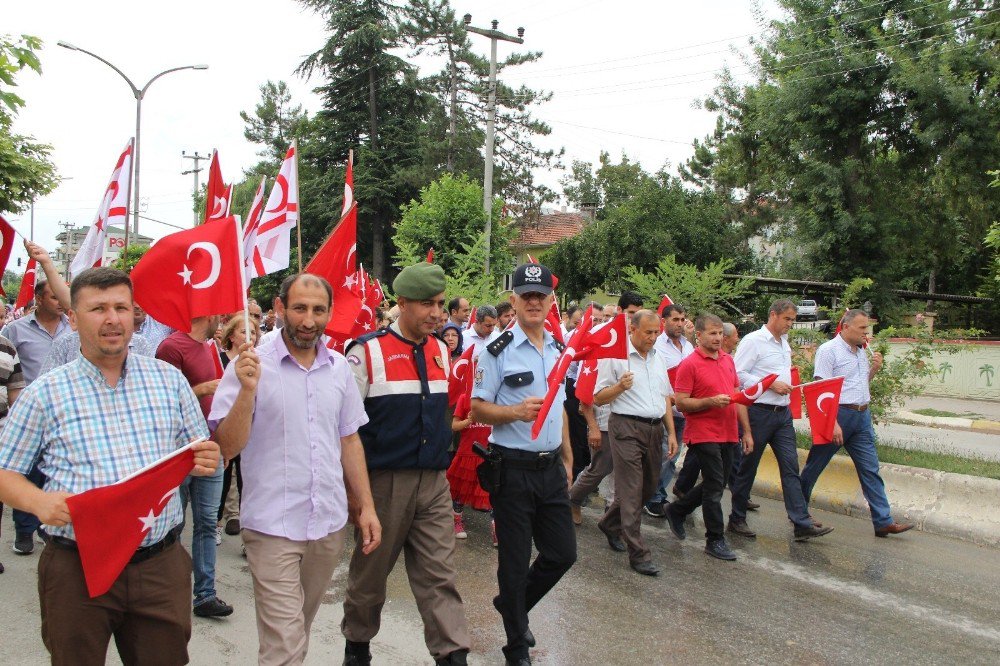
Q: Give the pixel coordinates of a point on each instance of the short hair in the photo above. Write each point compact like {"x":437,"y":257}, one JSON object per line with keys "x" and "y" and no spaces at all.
{"x":306,"y":278}
{"x":40,"y":286}
{"x":780,"y":306}
{"x":640,"y":315}
{"x":454,"y":304}
{"x":851,"y":315}
{"x":672,"y":308}
{"x":610,"y":305}
{"x":629,"y":298}
{"x":572,"y":310}
{"x":102,"y":278}
{"x":704,"y":321}
{"x":728,"y":328}
{"x":484,"y":311}
{"x":236,"y":321}
{"x":503,"y":308}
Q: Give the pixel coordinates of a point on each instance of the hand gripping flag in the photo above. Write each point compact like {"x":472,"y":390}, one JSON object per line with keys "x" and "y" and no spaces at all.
{"x":795,"y":397}
{"x":218,"y":195}
{"x":822,"y":402}
{"x":27,"y":291}
{"x":253,"y":265}
{"x":6,"y":245}
{"x":110,"y":522}
{"x":280,"y":216}
{"x":193,"y":273}
{"x":749,"y":395}
{"x":112,"y":210}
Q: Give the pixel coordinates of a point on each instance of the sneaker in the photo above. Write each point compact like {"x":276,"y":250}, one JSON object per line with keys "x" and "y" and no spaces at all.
{"x":214,"y":607}
{"x":655,"y":509}
{"x":24,"y":544}
{"x":493,"y":533}
{"x":675,"y":523}
{"x":218,"y":535}
{"x":720,"y":550}
{"x":460,"y":532}
{"x":233,"y":526}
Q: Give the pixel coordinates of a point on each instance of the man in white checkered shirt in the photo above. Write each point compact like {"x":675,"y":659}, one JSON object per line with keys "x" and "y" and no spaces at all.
{"x":90,"y":423}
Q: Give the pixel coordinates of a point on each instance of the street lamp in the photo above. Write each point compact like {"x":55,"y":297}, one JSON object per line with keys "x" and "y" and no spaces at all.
{"x":139,"y":93}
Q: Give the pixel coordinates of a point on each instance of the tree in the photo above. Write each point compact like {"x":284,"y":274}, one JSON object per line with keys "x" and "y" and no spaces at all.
{"x":130,"y":257}
{"x":699,"y":290}
{"x":275,"y":122}
{"x":27,"y":171}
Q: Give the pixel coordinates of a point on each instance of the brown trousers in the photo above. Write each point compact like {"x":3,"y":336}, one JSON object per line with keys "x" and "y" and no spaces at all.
{"x":414,"y":507}
{"x":601,"y":464}
{"x":637,"y":452}
{"x":147,"y":610}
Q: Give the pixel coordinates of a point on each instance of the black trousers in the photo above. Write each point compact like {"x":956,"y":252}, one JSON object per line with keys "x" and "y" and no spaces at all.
{"x":716,"y":460}
{"x":577,"y":430}
{"x":531,"y":504}
{"x":688,"y":476}
{"x":227,"y":482}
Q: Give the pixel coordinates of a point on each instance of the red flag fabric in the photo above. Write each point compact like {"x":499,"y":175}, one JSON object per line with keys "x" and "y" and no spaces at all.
{"x":795,"y":397}
{"x":558,"y":374}
{"x":110,"y":522}
{"x":27,"y":291}
{"x":430,"y":256}
{"x":672,"y":374}
{"x":462,"y":373}
{"x":193,"y":273}
{"x":337,"y":261}
{"x":608,"y":341}
{"x":472,"y":318}
{"x":749,"y":395}
{"x":663,"y":305}
{"x":6,"y":245}
{"x":553,"y":323}
{"x":822,"y":402}
{"x":586,"y":381}
{"x":252,"y":263}
{"x":281,"y":214}
{"x":113,"y":209}
{"x":216,"y":359}
{"x":218,"y":194}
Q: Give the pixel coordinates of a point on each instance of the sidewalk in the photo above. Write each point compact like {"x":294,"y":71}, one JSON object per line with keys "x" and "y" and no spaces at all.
{"x":974,"y":415}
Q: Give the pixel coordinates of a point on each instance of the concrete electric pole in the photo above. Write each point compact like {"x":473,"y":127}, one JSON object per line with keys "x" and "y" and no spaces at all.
{"x":68,"y":230}
{"x":491,"y":112}
{"x":196,"y":170}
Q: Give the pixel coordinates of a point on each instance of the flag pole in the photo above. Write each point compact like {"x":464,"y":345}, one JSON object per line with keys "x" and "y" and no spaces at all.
{"x":243,"y":277}
{"x":298,"y":223}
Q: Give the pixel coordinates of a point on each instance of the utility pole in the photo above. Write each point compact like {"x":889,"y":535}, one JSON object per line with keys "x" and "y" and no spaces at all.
{"x":68,"y":230}
{"x":491,"y":112}
{"x":196,"y":170}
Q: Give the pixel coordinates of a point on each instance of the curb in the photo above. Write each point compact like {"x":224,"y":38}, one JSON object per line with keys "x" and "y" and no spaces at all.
{"x":954,"y":505}
{"x":982,"y":425}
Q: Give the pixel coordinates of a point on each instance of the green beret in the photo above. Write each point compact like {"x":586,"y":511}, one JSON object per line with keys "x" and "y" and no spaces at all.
{"x":419,"y":281}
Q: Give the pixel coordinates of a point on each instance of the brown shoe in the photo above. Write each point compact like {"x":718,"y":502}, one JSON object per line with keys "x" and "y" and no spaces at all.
{"x":894,"y":528}
{"x":740,"y":527}
{"x":577,"y":513}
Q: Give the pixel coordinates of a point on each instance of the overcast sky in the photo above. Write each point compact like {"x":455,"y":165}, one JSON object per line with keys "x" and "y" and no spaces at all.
{"x":624,"y":75}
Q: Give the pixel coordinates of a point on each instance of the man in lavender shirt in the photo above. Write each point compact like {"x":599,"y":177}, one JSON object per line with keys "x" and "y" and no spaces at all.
{"x":292,"y":413}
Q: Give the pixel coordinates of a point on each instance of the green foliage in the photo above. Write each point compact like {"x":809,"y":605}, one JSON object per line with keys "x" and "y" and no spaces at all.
{"x":699,"y":290}
{"x":26,"y":171}
{"x":11,"y":284}
{"x":130,"y":257}
{"x":466,"y":276}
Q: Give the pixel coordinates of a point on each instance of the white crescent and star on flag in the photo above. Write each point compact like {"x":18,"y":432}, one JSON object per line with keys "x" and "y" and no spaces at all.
{"x":213,"y":275}
{"x":822,"y":397}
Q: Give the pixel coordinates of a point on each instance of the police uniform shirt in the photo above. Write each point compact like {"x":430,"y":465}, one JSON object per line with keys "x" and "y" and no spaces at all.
{"x":519,"y":371}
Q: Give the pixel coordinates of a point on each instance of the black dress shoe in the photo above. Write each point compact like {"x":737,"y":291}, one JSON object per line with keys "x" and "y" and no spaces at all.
{"x":811,"y":532}
{"x":456,"y":658}
{"x":614,"y":541}
{"x":357,"y":653}
{"x":233,"y":526}
{"x":529,"y":637}
{"x":214,"y":607}
{"x":675,"y":523}
{"x":522,"y":661}
{"x":645,"y":568}
{"x":740,"y":527}
{"x":720,"y":550}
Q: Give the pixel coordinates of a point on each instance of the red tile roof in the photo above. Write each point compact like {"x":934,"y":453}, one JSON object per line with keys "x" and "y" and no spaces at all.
{"x":549,"y":229}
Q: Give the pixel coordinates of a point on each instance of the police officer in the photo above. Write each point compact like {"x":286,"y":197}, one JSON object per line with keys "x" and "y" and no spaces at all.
{"x":530,"y":497}
{"x":402,"y":372}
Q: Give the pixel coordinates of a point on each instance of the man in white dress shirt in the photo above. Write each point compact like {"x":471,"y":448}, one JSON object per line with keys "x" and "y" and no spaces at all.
{"x":481,"y":331}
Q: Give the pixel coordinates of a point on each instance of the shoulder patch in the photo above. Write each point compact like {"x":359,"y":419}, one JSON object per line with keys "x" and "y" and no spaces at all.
{"x":360,"y":340}
{"x":560,"y":346}
{"x":500,"y":343}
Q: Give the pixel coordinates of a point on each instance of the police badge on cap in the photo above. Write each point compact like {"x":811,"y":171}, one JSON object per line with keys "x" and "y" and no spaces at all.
{"x":532,"y":278}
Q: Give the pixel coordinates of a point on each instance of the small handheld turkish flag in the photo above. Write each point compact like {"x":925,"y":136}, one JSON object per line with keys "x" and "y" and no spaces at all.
{"x":110,"y":522}
{"x":608,"y":341}
{"x":553,"y":323}
{"x":822,"y":402}
{"x":193,"y":273}
{"x":7,"y":241}
{"x":749,"y":395}
{"x":795,"y":397}
{"x":460,"y":379}
{"x":27,"y":291}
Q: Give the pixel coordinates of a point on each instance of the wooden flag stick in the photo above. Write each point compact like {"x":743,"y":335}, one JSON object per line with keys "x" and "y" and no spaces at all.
{"x":243,"y":277}
{"x":298,"y":224}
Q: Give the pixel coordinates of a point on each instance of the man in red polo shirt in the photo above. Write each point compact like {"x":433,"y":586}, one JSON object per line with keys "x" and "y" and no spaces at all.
{"x":705,"y":381}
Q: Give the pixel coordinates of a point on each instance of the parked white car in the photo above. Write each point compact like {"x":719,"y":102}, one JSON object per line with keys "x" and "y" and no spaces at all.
{"x":806,"y":310}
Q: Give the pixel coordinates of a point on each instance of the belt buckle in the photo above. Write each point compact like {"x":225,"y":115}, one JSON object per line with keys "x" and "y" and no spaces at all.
{"x":544,"y":454}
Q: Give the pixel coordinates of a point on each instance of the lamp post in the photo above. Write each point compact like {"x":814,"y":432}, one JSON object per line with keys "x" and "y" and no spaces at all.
{"x":138,"y":93}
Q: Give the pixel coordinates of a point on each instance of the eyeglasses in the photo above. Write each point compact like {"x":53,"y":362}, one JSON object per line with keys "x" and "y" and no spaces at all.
{"x":532,"y":296}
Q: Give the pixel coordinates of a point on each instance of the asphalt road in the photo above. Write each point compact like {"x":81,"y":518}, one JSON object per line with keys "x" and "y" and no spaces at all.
{"x":847,"y":598}
{"x":963,"y":443}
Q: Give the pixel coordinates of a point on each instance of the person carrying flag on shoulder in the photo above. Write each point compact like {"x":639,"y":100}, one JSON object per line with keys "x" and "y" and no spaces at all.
{"x":845,"y":356}
{"x":62,"y":420}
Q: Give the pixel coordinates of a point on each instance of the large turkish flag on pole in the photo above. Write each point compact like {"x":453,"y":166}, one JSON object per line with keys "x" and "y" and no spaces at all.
{"x":193,"y":273}
{"x":822,"y":403}
{"x":6,"y":245}
{"x":218,"y":195}
{"x":110,"y":522}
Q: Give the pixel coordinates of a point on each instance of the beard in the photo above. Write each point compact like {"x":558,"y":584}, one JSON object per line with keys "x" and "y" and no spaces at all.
{"x":298,"y":341}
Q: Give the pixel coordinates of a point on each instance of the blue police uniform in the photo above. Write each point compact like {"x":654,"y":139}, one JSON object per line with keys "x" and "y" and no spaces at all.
{"x":532,"y":499}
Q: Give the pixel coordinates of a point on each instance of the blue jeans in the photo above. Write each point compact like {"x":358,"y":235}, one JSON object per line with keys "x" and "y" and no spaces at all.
{"x":774,"y":427}
{"x":24,"y":522}
{"x":860,"y":445}
{"x":204,"y":494}
{"x":669,"y":464}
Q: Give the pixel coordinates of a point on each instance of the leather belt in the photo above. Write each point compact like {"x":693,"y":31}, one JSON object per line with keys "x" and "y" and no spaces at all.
{"x":141,"y":555}
{"x":640,"y":419}
{"x":769,"y":408}
{"x":518,"y":459}
{"x":857,"y":408}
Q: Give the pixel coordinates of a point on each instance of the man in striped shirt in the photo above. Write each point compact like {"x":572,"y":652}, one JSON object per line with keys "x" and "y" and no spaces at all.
{"x":90,"y":423}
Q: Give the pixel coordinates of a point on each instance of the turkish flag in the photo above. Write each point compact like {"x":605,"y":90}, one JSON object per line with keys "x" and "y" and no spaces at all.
{"x":553,"y":323}
{"x":795,"y":397}
{"x":822,"y":402}
{"x":280,"y":215}
{"x":218,"y":195}
{"x":558,"y":374}
{"x":749,"y":395}
{"x":193,"y":273}
{"x":113,"y":209}
{"x":110,"y":522}
{"x":586,"y":381}
{"x":608,"y":341}
{"x":27,"y":291}
{"x":663,"y":305}
{"x":430,"y":256}
{"x":472,"y":318}
{"x":337,"y":260}
{"x":252,"y":263}
{"x":462,"y":373}
{"x":6,"y":245}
